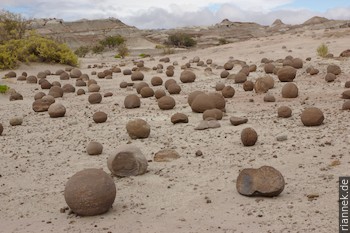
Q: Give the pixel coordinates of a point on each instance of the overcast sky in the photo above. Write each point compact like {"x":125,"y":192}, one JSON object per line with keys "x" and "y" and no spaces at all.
{"x":149,"y":14}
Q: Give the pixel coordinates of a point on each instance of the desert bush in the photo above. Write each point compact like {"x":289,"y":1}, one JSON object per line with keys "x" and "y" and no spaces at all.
{"x":168,"y":50}
{"x":143,"y":55}
{"x":35,"y":48}
{"x":322,"y":50}
{"x":4,"y":89}
{"x":112,"y":41}
{"x":123,"y":50}
{"x":181,"y":40}
{"x":82,"y":51}
{"x":97,"y":49}
{"x":223,"y":41}
{"x":12,"y":26}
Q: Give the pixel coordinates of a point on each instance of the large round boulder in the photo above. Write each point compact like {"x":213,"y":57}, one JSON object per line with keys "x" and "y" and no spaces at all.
{"x":138,"y":128}
{"x":287,"y":74}
{"x":312,"y":116}
{"x":290,"y":90}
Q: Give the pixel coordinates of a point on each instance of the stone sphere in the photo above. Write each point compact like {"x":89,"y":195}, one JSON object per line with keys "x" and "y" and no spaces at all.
{"x":248,"y":86}
{"x":269,"y":98}
{"x":43,"y":104}
{"x":219,"y":86}
{"x":252,"y":68}
{"x":15,"y":96}
{"x":45,"y":85}
{"x":284,"y":112}
{"x":64,"y":76}
{"x":159,"y":93}
{"x":80,"y":83}
{"x":16,"y":121}
{"x":137,"y":76}
{"x":174,"y":88}
{"x":228,"y":92}
{"x":228,"y":66}
{"x":75,"y":73}
{"x":68,"y":88}
{"x":56,"y":83}
{"x":187,"y":76}
{"x":138,"y":128}
{"x":56,"y":110}
{"x":99,"y":117}
{"x":32,"y":79}
{"x":90,"y":192}
{"x":261,"y":86}
{"x":287,"y":74}
{"x":346,"y":94}
{"x":169,"y":82}
{"x":249,"y":137}
{"x":94,"y":148}
{"x":214,"y":113}
{"x":166,"y":103}
{"x":169,"y":73}
{"x":330,"y":77}
{"x":56,"y":91}
{"x":224,"y":74}
{"x":290,"y":90}
{"x":123,"y":85}
{"x":94,"y":87}
{"x":297,"y":63}
{"x":95,"y":98}
{"x":240,"y":77}
{"x":127,"y":72}
{"x":346,"y":105}
{"x":218,"y":100}
{"x":334,"y":69}
{"x":156,"y":81}
{"x":139,"y":86}
{"x":268,"y":68}
{"x":179,"y":118}
{"x":192,"y":96}
{"x":80,"y":92}
{"x":39,"y":95}
{"x":312,"y":116}
{"x":132,"y":101}
{"x":202,"y":102}
{"x":146,"y":92}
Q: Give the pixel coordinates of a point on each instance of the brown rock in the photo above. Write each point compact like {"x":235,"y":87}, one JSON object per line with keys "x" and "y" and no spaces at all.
{"x":268,"y":68}
{"x":80,"y":92}
{"x":238,"y":120}
{"x":137,"y":76}
{"x":43,"y":104}
{"x":330,"y":77}
{"x":347,"y":84}
{"x":228,"y":92}
{"x":159,"y":93}
{"x":138,"y":128}
{"x":156,"y":81}
{"x":269,"y":98}
{"x":334,"y":69}
{"x":179,"y":118}
{"x":32,"y":79}
{"x":261,"y":86}
{"x":80,"y":83}
{"x":224,"y":74}
{"x":39,"y":95}
{"x":94,"y":148}
{"x":90,"y":192}
{"x":169,"y":73}
{"x":146,"y":92}
{"x":123,"y":85}
{"x":314,"y":71}
{"x":174,"y":89}
{"x":202,"y":102}
{"x":68,"y":88}
{"x":290,"y":90}
{"x":108,"y":94}
{"x":228,"y":66}
{"x":312,"y":117}
{"x":95,"y":98}
{"x":346,"y":94}
{"x":297,"y":63}
{"x":16,"y":121}
{"x":94,"y":87}
{"x":187,"y":76}
{"x":240,"y":77}
{"x":287,"y":74}
{"x":219,"y":86}
{"x":127,"y":72}
{"x":346,"y":106}
{"x":64,"y":76}
{"x":166,"y":155}
{"x":345,"y":53}
{"x":265,"y":181}
{"x":1,"y":129}
{"x":56,"y":110}
{"x":132,"y":101}
{"x":213,"y":114}
{"x":248,"y":86}
{"x":166,"y":103}
{"x":15,"y":96}
{"x":45,"y":85}
{"x":249,"y":137}
{"x":99,"y":117}
{"x":56,"y":91}
{"x":219,"y":101}
{"x":169,"y":82}
{"x":75,"y":73}
{"x":284,"y":112}
{"x":127,"y":160}
{"x":192,"y":96}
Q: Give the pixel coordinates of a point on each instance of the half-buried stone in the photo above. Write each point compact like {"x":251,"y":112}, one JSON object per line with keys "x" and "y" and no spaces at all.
{"x":312,"y":116}
{"x":166,"y":103}
{"x":132,"y":101}
{"x":90,"y":192}
{"x":127,"y":160}
{"x":265,"y":181}
{"x":179,"y":118}
{"x":94,"y":148}
{"x":99,"y":117}
{"x":95,"y":98}
{"x":138,"y":128}
{"x":56,"y":110}
{"x":166,"y":155}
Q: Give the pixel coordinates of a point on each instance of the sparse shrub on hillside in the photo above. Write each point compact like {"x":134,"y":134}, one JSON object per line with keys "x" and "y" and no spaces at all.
{"x":12,"y":26}
{"x":82,"y":51}
{"x":143,"y":55}
{"x":98,"y":49}
{"x":166,"y":49}
{"x":112,"y":41}
{"x":35,"y":48}
{"x":181,"y":40}
{"x":322,"y":50}
{"x":223,"y":41}
{"x":123,"y":50}
{"x":4,"y":89}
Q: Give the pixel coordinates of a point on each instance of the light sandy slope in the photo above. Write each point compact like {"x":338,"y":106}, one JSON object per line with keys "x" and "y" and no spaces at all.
{"x":38,"y":157}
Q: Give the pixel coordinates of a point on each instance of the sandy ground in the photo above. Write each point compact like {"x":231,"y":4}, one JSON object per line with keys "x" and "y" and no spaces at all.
{"x":39,"y":156}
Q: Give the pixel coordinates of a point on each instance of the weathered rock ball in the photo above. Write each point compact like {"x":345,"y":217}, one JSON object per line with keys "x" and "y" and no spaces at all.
{"x":334,"y":69}
{"x":297,"y":63}
{"x":94,"y":87}
{"x":174,"y":89}
{"x":287,"y":74}
{"x":80,"y":92}
{"x":75,"y":73}
{"x":214,"y":113}
{"x":166,"y":155}
{"x":146,"y":92}
{"x":32,"y":79}
{"x":248,"y":86}
{"x":16,"y":121}
{"x":127,"y":160}
{"x":99,"y":117}
{"x":346,"y":94}
{"x":56,"y":110}
{"x":140,"y":85}
{"x":346,"y":106}
{"x":156,"y":81}
{"x":284,"y":112}
{"x":138,"y":128}
{"x":132,"y":101}
{"x":159,"y":93}
{"x":312,"y":116}
{"x":137,"y":76}
{"x":228,"y":92}
{"x":56,"y":91}
{"x":265,"y":181}
{"x":15,"y":96}
{"x":202,"y":102}
{"x":240,"y":77}
{"x":1,"y":129}
{"x":228,"y":66}
{"x":224,"y":74}
{"x":68,"y":88}
{"x":187,"y":76}
{"x":238,"y":120}
{"x":330,"y":77}
{"x":261,"y":86}
{"x":219,"y":86}
{"x":290,"y":90}
{"x":219,"y":101}
{"x":166,"y":103}
{"x":268,"y":68}
{"x":269,"y":98}
{"x":94,"y":148}
{"x":90,"y":192}
{"x":179,"y":118}
{"x":43,"y":104}
{"x":249,"y":137}
{"x":95,"y":98}
{"x":192,"y":96}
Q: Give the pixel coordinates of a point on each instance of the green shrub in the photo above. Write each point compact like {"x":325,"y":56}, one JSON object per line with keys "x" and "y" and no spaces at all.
{"x":35,"y":48}
{"x":143,"y":55}
{"x":82,"y":51}
{"x":181,"y":40}
{"x":4,"y":89}
{"x":12,"y":26}
{"x":168,"y":50}
{"x":112,"y":41}
{"x":117,"y":56}
{"x":322,"y":50}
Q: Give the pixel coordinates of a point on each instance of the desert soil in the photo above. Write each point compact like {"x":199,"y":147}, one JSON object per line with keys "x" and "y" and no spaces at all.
{"x":191,"y":194}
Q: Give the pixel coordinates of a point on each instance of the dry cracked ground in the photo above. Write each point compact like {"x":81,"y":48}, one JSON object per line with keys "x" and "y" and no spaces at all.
{"x":192,"y":193}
